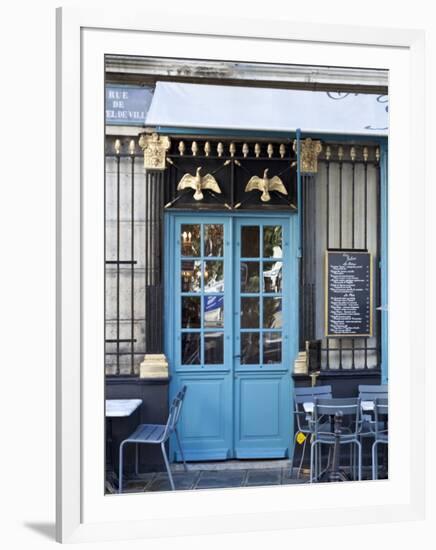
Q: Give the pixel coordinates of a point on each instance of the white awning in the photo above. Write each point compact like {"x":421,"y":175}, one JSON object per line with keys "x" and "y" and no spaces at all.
{"x":179,"y":105}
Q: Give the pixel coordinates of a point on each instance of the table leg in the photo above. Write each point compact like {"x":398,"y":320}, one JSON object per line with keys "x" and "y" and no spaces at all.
{"x":111,"y":476}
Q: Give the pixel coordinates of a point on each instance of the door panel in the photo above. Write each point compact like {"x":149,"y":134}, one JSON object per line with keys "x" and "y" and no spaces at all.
{"x":205,"y":425}
{"x":261,"y":415}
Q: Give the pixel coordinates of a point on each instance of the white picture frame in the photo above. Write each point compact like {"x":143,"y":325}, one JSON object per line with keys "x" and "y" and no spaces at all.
{"x":84,"y":513}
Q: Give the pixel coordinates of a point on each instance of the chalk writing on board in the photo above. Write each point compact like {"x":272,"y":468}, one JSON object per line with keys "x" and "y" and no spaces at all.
{"x":348,"y":293}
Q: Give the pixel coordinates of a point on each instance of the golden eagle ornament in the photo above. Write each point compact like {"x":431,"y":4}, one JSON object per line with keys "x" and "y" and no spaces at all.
{"x":265,"y":185}
{"x":198,"y":183}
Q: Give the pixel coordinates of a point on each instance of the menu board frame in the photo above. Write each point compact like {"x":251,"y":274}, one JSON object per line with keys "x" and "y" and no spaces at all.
{"x":332,"y":251}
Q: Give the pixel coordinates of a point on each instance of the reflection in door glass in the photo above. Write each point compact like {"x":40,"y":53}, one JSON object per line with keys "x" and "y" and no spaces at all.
{"x":213,"y":239}
{"x":191,"y":312}
{"x":213,"y":311}
{"x":191,"y":276}
{"x":249,"y":312}
{"x":214,"y":276}
{"x":272,"y":276}
{"x":190,"y":240}
{"x":272,"y":241}
{"x":272,"y":347}
{"x":272,"y":313}
{"x":249,"y":276}
{"x":214,"y":348}
{"x":250,"y":241}
{"x":249,"y":348}
{"x":191,"y":353}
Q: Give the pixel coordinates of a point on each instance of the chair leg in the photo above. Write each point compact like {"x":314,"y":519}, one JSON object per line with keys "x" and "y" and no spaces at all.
{"x":293,"y":454}
{"x":311,"y":463}
{"x":374,"y":460}
{"x":315,"y":461}
{"x":356,"y":460}
{"x":136,"y":460}
{"x":167,"y":465}
{"x":359,"y":460}
{"x":313,"y":453}
{"x":300,"y":466}
{"x":353,"y":461}
{"x":319,"y":462}
{"x":120,"y":475}
{"x":181,"y":450}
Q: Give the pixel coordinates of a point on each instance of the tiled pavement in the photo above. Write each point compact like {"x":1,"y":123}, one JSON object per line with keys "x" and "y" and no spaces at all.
{"x":211,"y":479}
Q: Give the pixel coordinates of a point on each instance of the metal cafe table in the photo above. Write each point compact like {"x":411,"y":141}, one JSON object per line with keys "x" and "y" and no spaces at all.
{"x":366,"y":406}
{"x":119,"y":408}
{"x":116,"y":408}
{"x":335,"y":474}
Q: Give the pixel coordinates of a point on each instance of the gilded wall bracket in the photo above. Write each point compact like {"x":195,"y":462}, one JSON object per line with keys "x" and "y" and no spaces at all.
{"x":309,"y":151}
{"x":155,"y":148}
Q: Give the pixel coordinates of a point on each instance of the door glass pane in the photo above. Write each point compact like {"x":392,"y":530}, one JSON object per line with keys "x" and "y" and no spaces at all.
{"x":190,"y":240}
{"x":272,"y":241}
{"x":214,"y":348}
{"x":250,"y":241}
{"x":213,"y":311}
{"x":249,"y":276}
{"x":249,"y":312}
{"x":213,"y":239}
{"x":249,"y":348}
{"x":272,"y":313}
{"x":272,"y":276}
{"x":191,"y":312}
{"x":191,"y":276}
{"x":214,"y":276}
{"x":272,"y":347}
{"x":191,"y":352}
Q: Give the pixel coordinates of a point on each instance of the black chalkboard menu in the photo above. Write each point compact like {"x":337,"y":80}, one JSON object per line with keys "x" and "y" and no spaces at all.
{"x":349,"y":295}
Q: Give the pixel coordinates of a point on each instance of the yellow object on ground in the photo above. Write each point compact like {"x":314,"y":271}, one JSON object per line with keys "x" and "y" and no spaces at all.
{"x":301,"y":438}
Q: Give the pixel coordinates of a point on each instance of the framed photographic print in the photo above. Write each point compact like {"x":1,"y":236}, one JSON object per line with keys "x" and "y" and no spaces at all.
{"x":234,"y":272}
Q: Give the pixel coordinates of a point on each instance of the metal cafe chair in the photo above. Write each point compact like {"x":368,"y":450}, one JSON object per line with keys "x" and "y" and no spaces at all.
{"x":380,"y":431}
{"x":349,"y":409}
{"x":366,"y":391}
{"x":370,"y":393}
{"x":303,"y":419}
{"x":156,"y":434}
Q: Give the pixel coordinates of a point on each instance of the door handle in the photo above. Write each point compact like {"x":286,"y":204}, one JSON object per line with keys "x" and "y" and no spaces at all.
{"x":236,"y":357}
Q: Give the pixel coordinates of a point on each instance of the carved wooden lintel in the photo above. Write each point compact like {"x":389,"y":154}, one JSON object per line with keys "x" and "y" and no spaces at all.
{"x":155,"y":148}
{"x":309,"y":151}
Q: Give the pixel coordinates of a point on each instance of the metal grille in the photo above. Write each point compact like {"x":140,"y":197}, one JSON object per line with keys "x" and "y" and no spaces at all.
{"x":232,"y":163}
{"x":124,"y":264}
{"x":341,"y":210}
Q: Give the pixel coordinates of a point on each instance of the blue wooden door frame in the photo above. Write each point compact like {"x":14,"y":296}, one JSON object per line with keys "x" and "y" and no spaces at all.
{"x":217,"y":384}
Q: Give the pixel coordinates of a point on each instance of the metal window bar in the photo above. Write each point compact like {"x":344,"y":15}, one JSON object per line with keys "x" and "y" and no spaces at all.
{"x":327,"y":236}
{"x":132,"y":257}
{"x":118,"y":263}
{"x":353,"y":231}
{"x":340,"y":153}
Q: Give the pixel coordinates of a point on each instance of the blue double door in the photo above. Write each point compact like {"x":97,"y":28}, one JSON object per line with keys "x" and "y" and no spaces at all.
{"x":231,"y":306}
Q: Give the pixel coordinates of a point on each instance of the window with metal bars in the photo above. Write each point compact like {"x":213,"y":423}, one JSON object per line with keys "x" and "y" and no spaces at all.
{"x":125,"y":224}
{"x":341,"y":210}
